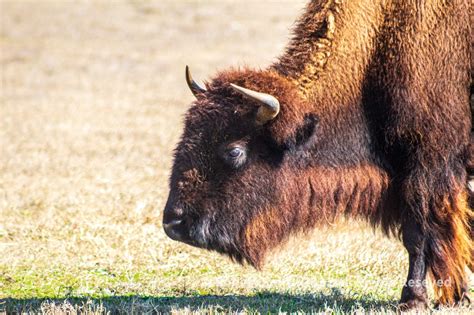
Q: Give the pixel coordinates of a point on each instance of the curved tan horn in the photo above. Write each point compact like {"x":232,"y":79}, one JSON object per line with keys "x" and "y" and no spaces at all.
{"x":193,"y":86}
{"x":269,"y":108}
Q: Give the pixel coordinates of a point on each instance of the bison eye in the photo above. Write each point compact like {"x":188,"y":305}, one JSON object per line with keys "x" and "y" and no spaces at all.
{"x":235,"y":156}
{"x":235,"y":152}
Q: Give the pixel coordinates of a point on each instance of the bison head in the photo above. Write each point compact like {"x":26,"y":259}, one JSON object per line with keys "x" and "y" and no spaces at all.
{"x":234,"y":182}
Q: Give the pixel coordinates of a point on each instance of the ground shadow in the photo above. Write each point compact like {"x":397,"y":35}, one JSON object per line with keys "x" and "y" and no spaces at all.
{"x":261,"y":302}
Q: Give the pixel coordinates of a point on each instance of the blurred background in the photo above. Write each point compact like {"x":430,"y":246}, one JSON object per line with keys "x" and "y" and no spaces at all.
{"x":92,"y":99}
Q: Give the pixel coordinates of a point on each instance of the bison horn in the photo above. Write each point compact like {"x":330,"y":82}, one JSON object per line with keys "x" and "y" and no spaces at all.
{"x":193,"y":86}
{"x":270,"y":106}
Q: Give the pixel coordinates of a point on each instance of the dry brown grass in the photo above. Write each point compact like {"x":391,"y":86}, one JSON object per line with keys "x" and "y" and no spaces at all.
{"x":92,"y":95}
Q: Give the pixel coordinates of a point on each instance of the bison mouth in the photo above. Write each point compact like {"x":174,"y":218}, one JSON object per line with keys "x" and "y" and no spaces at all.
{"x":202,"y":233}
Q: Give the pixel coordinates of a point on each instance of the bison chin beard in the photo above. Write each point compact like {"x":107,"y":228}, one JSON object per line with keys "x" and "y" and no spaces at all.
{"x":239,"y":242}
{"x":260,"y":235}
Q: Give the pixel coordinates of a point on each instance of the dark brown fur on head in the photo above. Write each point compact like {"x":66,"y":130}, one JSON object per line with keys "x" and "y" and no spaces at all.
{"x":221,"y":198}
{"x":374,"y":122}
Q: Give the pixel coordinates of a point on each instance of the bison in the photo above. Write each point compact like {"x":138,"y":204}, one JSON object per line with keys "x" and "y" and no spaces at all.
{"x":366,"y":114}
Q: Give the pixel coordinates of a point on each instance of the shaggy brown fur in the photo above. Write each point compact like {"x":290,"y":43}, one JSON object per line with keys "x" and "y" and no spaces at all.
{"x":326,"y":197}
{"x":374,"y":123}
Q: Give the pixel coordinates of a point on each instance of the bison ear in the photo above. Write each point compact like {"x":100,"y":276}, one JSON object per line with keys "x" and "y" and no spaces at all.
{"x":304,"y":134}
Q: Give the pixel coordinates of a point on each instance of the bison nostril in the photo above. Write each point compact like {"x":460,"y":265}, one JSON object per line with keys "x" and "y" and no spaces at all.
{"x":171,"y":213}
{"x":175,"y":221}
{"x":178,"y":212}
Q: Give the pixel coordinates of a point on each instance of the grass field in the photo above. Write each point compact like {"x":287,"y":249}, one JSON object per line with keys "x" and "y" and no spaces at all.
{"x":92,"y":98}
